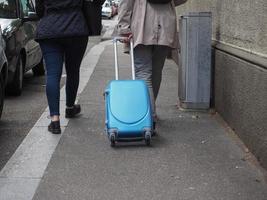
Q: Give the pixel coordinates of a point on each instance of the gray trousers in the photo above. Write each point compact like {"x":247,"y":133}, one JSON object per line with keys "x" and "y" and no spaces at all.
{"x":149,"y":61}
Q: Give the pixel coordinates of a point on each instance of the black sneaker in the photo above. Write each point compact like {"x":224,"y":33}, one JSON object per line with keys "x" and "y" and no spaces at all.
{"x":54,"y":127}
{"x":72,"y":112}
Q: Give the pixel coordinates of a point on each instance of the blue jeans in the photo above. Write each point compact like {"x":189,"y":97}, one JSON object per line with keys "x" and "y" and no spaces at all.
{"x":149,"y":61}
{"x":55,"y":52}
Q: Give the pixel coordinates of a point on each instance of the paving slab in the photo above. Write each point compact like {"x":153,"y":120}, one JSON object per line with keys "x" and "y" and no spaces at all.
{"x":192,"y":158}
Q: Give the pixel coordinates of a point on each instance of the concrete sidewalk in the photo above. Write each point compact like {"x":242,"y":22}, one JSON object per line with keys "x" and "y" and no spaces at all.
{"x":192,"y":158}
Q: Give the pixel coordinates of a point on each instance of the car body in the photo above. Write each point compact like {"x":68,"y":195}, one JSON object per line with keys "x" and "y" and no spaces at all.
{"x":107,"y":10}
{"x":114,"y":7}
{"x":19,"y":24}
{"x":117,"y":2}
{"x":3,"y":72}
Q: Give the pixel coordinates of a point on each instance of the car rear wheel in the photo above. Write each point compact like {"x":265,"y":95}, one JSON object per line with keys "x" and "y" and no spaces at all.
{"x":39,"y":69}
{"x":2,"y":94}
{"x":15,"y":88}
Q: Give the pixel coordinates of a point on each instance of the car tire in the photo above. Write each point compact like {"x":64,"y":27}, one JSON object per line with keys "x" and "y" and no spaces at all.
{"x":15,"y":88}
{"x":39,"y":70}
{"x":2,"y":94}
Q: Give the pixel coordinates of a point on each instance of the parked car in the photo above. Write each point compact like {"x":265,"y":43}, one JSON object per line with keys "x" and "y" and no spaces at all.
{"x":117,"y":2}
{"x":107,"y":10}
{"x":19,"y":23}
{"x":3,"y":72}
{"x":114,"y":8}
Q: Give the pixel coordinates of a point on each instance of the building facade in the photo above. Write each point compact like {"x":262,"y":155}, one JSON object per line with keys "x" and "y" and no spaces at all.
{"x":239,"y":66}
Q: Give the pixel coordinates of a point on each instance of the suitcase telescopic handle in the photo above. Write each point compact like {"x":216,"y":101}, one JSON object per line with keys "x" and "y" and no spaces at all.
{"x":115,"y":41}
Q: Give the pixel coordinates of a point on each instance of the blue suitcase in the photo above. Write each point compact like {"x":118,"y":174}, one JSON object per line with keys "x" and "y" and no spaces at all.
{"x":128,"y":108}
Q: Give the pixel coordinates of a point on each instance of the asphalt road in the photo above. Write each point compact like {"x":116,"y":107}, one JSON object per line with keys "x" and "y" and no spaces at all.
{"x":21,"y":113}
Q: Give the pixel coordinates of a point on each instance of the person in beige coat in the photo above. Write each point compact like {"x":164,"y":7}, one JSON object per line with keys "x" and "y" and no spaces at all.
{"x":153,"y":28}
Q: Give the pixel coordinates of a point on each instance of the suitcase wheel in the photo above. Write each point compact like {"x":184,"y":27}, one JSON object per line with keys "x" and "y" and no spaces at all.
{"x":112,"y":140}
{"x":148,"y":138}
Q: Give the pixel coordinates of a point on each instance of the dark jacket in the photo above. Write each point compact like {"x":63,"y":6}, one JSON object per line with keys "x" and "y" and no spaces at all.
{"x":60,"y":19}
{"x":92,"y":11}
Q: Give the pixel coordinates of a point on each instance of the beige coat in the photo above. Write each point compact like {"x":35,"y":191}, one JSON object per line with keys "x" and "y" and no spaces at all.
{"x":150,"y":24}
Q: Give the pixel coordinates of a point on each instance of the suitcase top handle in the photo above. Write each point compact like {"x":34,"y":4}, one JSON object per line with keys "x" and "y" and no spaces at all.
{"x":115,"y":41}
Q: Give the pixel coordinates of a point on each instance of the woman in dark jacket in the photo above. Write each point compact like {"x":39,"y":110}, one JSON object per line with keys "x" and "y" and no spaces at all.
{"x":63,"y":35}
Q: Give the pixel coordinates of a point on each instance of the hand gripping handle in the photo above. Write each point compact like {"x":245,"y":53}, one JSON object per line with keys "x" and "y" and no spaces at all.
{"x":115,"y":41}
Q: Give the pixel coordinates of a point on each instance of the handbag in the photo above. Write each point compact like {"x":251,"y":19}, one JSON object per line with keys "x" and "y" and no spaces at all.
{"x":159,"y":1}
{"x":92,"y":13}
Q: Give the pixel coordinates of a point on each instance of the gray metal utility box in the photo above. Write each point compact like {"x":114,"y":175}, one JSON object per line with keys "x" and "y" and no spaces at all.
{"x":195,"y":60}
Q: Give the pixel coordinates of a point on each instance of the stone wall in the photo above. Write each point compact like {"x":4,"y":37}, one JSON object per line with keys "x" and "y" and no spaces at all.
{"x":240,"y":66}
{"x":241,"y":23}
